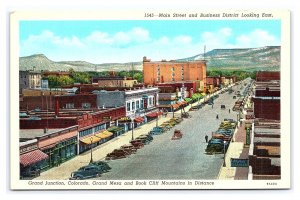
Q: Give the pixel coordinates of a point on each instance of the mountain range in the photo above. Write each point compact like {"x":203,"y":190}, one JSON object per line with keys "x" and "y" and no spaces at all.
{"x":263,"y":58}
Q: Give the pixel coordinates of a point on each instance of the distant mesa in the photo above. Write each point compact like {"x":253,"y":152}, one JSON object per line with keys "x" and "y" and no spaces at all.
{"x":263,"y":58}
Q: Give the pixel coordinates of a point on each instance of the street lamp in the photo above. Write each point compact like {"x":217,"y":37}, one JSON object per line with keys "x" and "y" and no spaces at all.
{"x":132,"y":126}
{"x":157,"y":119}
{"x":91,"y":150}
{"x":224,"y":163}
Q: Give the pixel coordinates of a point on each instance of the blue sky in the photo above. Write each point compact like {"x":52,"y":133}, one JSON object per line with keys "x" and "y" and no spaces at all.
{"x":126,"y":41}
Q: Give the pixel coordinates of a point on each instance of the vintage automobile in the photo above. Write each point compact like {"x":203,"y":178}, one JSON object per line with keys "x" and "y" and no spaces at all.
{"x":158,"y":130}
{"x":103,"y":165}
{"x":148,"y":136}
{"x":216,"y":146}
{"x":137,"y":144}
{"x":85,"y":172}
{"x":129,"y":146}
{"x":221,"y":136}
{"x":234,"y":97}
{"x":177,"y":135}
{"x":117,"y":154}
{"x":197,"y":107}
{"x":147,"y":139}
{"x":223,"y":107}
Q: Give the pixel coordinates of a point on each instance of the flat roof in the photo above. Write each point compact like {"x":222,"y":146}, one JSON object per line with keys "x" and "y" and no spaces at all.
{"x":33,"y":133}
{"x":266,"y":139}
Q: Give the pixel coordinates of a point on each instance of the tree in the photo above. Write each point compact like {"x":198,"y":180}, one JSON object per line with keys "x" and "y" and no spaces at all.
{"x":139,"y":77}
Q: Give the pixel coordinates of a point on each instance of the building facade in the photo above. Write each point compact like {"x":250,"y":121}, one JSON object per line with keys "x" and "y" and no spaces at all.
{"x":267,"y":96}
{"x":29,"y":79}
{"x":172,"y":71}
{"x":114,"y":81}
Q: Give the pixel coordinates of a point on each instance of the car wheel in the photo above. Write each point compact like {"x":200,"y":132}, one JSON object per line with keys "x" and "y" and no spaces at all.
{"x":78,"y":178}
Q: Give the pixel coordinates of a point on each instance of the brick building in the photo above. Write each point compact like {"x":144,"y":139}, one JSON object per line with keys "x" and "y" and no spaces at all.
{"x":114,"y":81}
{"x":66,"y":101}
{"x":172,"y":71}
{"x":264,"y":154}
{"x":267,"y":96}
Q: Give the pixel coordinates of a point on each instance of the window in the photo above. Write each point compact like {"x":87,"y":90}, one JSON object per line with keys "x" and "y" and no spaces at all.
{"x":70,"y":105}
{"x":137,"y":104}
{"x":86,"y":105}
{"x":142,"y":103}
{"x":128,"y":106}
{"x":133,"y":106}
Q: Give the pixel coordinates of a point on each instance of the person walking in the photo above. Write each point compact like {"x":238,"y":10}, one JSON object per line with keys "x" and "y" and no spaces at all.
{"x":206,"y":138}
{"x":217,"y":117}
{"x":229,"y":110}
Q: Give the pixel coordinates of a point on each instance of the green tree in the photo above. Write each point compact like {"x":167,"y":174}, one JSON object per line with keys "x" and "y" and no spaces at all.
{"x":65,"y":80}
{"x":139,"y":77}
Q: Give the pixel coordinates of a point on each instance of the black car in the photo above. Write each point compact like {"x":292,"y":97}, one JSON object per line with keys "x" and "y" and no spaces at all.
{"x":85,"y":172}
{"x":103,"y":165}
{"x":223,"y":107}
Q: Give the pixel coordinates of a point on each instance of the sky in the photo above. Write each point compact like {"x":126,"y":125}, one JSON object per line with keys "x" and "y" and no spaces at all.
{"x":122,"y":41}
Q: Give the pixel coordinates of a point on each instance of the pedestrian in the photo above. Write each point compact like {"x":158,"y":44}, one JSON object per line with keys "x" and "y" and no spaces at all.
{"x":217,"y":117}
{"x":212,"y":106}
{"x":229,"y":110}
{"x":206,"y":138}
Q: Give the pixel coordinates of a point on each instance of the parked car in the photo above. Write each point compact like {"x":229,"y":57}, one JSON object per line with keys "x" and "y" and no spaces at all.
{"x":85,"y":172}
{"x":148,"y":136}
{"x":130,"y":147}
{"x":147,"y":139}
{"x":103,"y":165}
{"x":234,"y":97}
{"x":223,"y":107}
{"x":137,"y":144}
{"x":117,"y":154}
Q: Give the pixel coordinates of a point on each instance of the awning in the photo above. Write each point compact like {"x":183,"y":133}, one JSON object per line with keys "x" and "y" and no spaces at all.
{"x":188,"y":100}
{"x":50,"y":141}
{"x":114,"y":129}
{"x":175,"y":106}
{"x":90,"y":140}
{"x":32,"y":157}
{"x":104,"y":134}
{"x":154,"y":114}
{"x":182,"y":103}
{"x":139,"y":119}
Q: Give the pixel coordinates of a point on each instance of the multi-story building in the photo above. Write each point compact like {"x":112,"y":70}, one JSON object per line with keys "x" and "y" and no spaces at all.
{"x":172,"y":71}
{"x":29,"y":79}
{"x":114,"y":81}
{"x":267,"y":96}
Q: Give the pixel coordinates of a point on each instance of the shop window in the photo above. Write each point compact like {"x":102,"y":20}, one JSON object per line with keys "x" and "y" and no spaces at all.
{"x":128,"y":106}
{"x":86,"y":105}
{"x":70,"y":105}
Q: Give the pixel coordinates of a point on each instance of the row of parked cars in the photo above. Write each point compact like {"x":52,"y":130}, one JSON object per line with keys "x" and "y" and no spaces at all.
{"x":221,"y":138}
{"x":165,"y":126}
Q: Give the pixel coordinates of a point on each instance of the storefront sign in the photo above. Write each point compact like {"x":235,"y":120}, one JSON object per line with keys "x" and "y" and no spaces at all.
{"x":107,"y":118}
{"x":239,"y":162}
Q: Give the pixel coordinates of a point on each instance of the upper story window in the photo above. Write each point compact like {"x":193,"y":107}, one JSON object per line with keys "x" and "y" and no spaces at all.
{"x":128,"y":106}
{"x":86,"y":105}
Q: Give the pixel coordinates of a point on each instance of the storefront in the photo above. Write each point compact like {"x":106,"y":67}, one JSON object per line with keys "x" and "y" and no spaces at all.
{"x":60,"y":146}
{"x":31,"y":159}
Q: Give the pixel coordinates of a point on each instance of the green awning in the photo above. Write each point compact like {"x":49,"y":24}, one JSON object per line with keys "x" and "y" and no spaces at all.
{"x":188,"y":100}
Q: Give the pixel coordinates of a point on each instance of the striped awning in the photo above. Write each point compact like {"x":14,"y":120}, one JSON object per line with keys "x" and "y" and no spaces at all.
{"x":90,"y":140}
{"x":139,"y":119}
{"x":104,"y":134}
{"x":32,"y":157}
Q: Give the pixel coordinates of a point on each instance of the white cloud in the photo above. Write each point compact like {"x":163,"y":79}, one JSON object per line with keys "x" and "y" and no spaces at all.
{"x":132,"y":45}
{"x":257,"y":38}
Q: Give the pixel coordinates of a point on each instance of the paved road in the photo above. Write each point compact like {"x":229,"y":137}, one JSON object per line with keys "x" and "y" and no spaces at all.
{"x":178,"y":159}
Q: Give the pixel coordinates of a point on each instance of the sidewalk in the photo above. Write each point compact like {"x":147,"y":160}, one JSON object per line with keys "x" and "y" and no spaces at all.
{"x":236,"y":149}
{"x":64,"y":171}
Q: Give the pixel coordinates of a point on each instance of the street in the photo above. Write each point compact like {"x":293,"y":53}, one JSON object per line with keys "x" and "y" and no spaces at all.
{"x":178,"y":159}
